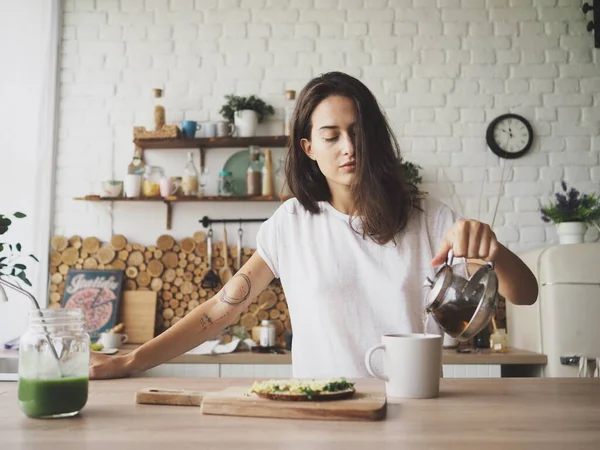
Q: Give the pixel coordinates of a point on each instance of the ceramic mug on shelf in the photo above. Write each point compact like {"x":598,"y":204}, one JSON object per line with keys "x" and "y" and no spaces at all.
{"x":112,"y":188}
{"x":412,"y":364}
{"x":209,"y":129}
{"x":167,"y":187}
{"x":133,"y":185}
{"x":189,"y":128}
{"x":225,"y":129}
{"x":112,"y":340}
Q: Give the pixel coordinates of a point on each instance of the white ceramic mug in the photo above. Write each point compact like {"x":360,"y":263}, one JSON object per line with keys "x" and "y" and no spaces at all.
{"x":225,"y":129}
{"x":133,"y":185}
{"x":209,"y":129}
{"x":167,"y":187}
{"x":112,"y":340}
{"x":412,"y":364}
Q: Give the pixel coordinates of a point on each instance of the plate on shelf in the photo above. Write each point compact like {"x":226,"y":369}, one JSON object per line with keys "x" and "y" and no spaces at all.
{"x":237,"y":164}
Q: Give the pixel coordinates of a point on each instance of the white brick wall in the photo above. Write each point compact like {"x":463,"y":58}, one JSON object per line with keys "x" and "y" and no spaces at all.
{"x":442,"y":69}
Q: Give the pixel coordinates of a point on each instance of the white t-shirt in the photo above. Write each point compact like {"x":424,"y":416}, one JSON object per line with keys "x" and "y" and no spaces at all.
{"x":344,"y":291}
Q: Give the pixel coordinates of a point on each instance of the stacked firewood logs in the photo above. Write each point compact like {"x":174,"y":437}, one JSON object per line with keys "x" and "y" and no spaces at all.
{"x":174,"y":270}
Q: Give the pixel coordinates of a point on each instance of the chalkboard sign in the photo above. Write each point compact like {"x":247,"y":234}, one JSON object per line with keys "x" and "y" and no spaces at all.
{"x":98,"y":294}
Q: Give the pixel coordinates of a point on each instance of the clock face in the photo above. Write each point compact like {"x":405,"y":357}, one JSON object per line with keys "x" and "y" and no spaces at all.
{"x":509,"y":136}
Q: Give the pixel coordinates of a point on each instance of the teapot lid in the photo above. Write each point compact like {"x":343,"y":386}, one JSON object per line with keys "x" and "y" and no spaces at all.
{"x":440,"y":283}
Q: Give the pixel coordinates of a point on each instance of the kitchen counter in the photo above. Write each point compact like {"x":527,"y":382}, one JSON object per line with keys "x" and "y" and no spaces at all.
{"x":502,"y":414}
{"x":512,"y":356}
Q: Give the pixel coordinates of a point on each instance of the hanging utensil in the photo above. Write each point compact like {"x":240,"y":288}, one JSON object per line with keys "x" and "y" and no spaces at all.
{"x":211,"y":279}
{"x":239,"y":246}
{"x":225,"y":273}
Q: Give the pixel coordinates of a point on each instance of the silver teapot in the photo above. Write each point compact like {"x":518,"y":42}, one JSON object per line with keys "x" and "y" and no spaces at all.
{"x":462,"y":305}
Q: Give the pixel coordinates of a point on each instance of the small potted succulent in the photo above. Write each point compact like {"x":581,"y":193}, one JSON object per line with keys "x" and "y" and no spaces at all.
{"x":572,"y":213}
{"x":246,"y":113}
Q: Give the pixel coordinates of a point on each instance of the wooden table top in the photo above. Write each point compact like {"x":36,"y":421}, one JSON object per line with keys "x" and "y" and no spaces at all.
{"x":506,"y":413}
{"x":512,"y":356}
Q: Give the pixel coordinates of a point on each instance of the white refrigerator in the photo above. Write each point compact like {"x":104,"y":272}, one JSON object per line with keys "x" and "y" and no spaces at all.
{"x":564,"y":323}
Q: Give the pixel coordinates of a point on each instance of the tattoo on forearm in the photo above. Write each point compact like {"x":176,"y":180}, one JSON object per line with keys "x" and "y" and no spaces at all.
{"x":237,"y":290}
{"x":206,"y":320}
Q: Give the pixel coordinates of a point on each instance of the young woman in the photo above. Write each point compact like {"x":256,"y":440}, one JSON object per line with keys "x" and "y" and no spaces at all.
{"x":352,"y":249}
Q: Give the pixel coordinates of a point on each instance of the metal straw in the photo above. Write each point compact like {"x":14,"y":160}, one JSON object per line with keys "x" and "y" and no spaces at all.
{"x":37,"y":306}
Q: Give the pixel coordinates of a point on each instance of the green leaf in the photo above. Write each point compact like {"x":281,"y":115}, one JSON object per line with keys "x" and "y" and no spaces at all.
{"x":35,"y":259}
{"x":1,"y":247}
{"x":23,"y":277}
{"x":10,"y":247}
{"x":3,"y":258}
{"x":18,"y":247}
{"x":4,"y":224}
{"x":19,"y":215}
{"x":20,"y":266}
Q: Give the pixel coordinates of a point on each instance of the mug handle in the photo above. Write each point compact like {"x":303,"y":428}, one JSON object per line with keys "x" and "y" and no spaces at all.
{"x":231,"y":129}
{"x":370,"y":352}
{"x":124,"y":338}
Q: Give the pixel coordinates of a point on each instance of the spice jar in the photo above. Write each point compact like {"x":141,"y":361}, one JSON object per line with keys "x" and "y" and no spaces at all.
{"x":54,"y":364}
{"x":499,"y":341}
{"x":267,"y":333}
{"x":225,"y":186}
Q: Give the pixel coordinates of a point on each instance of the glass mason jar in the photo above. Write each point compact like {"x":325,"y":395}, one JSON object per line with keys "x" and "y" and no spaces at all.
{"x":54,"y":358}
{"x":151,"y":183}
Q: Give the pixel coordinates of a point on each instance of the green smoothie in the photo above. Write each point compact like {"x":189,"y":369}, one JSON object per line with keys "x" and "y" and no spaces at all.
{"x":47,"y":398}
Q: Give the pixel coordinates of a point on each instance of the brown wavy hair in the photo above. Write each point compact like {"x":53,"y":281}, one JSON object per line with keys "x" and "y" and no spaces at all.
{"x":384,"y":198}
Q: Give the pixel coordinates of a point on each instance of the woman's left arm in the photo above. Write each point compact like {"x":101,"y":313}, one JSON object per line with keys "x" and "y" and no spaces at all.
{"x":475,"y":240}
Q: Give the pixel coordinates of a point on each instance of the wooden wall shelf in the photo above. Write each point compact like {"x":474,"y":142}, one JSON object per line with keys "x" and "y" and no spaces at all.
{"x":204,"y":143}
{"x":168,"y":201}
{"x":220,"y":142}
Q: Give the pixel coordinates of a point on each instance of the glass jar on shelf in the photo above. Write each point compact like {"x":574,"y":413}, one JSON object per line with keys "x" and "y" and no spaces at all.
{"x":254,"y":172}
{"x":54,"y":363}
{"x":151,"y":183}
{"x":281,"y":186}
{"x":225,"y":187}
{"x":288,"y":111}
{"x":189,"y":182}
{"x":499,"y":341}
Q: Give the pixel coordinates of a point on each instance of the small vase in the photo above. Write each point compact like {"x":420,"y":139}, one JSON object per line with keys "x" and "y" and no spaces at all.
{"x":246,"y":122}
{"x":571,"y":232}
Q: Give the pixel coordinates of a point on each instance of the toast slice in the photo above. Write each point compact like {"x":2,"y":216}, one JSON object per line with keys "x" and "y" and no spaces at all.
{"x":304,"y":390}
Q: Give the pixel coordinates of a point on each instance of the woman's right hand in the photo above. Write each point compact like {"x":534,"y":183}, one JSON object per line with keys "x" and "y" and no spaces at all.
{"x":105,"y":366}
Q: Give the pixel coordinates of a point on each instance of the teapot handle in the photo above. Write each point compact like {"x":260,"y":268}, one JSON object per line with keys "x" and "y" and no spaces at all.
{"x":451,"y":260}
{"x":450,"y":257}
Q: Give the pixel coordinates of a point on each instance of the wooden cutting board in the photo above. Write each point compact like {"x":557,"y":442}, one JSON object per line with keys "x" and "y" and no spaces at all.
{"x":233,"y":402}
{"x":138,"y":313}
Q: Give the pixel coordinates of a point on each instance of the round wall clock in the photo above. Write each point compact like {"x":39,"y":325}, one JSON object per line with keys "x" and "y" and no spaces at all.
{"x":509,"y":136}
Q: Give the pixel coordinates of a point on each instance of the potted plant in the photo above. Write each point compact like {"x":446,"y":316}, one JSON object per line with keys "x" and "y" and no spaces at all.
{"x":11,"y":264}
{"x":413,"y":172}
{"x":246,"y":113}
{"x":573,"y":213}
{"x":12,"y":267}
